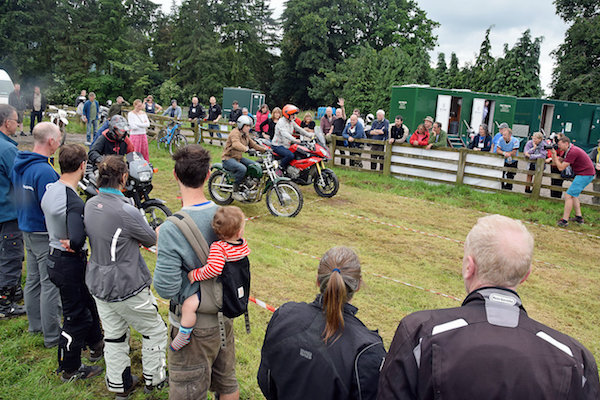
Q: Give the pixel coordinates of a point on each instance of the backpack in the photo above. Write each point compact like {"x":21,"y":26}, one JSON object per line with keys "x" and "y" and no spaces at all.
{"x":235,"y":278}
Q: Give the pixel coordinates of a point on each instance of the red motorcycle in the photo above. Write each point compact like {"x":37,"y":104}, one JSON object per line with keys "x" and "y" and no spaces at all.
{"x":308,"y":166}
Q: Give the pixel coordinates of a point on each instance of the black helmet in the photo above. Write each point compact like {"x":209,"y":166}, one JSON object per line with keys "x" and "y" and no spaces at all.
{"x":118,"y":126}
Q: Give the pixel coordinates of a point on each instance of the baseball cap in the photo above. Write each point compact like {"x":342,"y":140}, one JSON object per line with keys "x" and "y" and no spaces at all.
{"x":503,"y":125}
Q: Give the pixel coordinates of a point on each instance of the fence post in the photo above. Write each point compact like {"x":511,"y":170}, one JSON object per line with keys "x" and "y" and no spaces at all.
{"x":537,"y":178}
{"x":462,"y":161}
{"x":196,"y":130}
{"x":387,"y":160}
{"x":332,"y":148}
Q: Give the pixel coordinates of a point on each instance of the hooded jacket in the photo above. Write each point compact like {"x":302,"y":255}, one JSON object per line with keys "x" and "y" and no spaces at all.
{"x":30,"y":176}
{"x":8,"y":152}
{"x":107,"y":144}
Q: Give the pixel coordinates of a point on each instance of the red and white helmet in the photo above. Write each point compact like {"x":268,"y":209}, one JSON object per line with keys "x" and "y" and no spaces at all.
{"x":289,"y":110}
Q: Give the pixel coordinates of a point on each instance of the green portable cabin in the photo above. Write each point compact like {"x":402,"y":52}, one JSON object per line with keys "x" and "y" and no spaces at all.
{"x":458,"y":110}
{"x":579,"y":121}
{"x":249,"y":98}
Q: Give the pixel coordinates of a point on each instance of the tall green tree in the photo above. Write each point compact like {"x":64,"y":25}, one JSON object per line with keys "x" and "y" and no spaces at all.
{"x":482,"y":74}
{"x":441,"y":72}
{"x":518,"y":72}
{"x":577,"y":75}
{"x":454,"y":73}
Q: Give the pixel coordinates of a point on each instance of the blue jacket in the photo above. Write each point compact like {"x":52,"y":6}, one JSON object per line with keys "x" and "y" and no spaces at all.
{"x":86,"y":109}
{"x":359,"y":133}
{"x":30,"y":176}
{"x":176,"y":112}
{"x":8,"y":152}
{"x":384,"y":125}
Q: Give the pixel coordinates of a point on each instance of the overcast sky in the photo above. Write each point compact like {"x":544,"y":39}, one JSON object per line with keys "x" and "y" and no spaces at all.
{"x":463,"y":24}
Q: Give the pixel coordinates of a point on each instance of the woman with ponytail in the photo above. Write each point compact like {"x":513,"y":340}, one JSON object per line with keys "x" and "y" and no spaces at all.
{"x":321,"y":350}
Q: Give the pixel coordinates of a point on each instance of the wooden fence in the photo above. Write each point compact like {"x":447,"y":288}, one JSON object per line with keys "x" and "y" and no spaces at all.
{"x":481,"y":170}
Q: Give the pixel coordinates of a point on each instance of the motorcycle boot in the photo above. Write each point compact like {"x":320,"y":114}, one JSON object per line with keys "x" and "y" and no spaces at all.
{"x":8,"y":308}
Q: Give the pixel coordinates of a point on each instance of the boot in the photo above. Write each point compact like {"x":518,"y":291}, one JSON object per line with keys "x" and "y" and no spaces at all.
{"x":96,"y":351}
{"x":17,"y":296}
{"x":8,"y":308}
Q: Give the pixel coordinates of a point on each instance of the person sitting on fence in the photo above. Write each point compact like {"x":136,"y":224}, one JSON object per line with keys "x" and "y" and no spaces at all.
{"x":173,"y":111}
{"x":583,"y":173}
{"x":307,"y":123}
{"x":238,"y":142}
{"x":235,"y":113}
{"x":380,"y":129}
{"x":322,"y":350}
{"x":534,"y":149}
{"x":483,"y":141}
{"x":196,"y":112}
{"x":353,"y":130}
{"x":150,"y":106}
{"x":438,"y":137}
{"x":421,"y":137}
{"x":501,"y":129}
{"x":595,"y":157}
{"x":283,"y":137}
{"x":231,"y":251}
{"x":398,"y":132}
{"x":489,"y":348}
{"x":508,"y":147}
{"x":270,"y":124}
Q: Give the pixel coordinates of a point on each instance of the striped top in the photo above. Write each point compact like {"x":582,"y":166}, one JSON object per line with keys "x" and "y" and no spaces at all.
{"x":220,"y":253}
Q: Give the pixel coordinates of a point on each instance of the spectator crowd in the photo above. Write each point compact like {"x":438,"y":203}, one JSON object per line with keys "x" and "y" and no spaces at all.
{"x":487,"y":348}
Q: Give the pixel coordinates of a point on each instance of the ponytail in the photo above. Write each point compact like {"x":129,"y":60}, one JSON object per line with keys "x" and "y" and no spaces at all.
{"x":334,"y":298}
{"x":339,"y":277}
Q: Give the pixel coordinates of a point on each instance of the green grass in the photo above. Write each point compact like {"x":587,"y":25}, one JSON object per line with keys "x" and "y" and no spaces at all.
{"x":393,"y":238}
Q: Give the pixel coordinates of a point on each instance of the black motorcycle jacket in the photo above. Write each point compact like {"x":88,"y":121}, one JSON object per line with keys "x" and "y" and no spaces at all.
{"x":297,"y":364}
{"x":487,"y":349}
{"x":108,"y":144}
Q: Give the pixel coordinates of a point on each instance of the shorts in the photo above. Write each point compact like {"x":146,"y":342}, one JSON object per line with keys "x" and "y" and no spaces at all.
{"x":579,"y":183}
{"x":202,"y":365}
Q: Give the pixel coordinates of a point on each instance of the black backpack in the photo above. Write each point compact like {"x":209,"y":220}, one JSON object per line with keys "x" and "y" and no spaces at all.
{"x":235,"y":278}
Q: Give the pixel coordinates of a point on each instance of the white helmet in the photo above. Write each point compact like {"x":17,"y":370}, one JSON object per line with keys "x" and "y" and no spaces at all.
{"x":244,"y":120}
{"x":370,"y":118}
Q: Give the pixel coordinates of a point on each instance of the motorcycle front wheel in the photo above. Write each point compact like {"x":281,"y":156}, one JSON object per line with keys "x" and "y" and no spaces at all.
{"x":156,"y":212}
{"x":177,"y":143}
{"x":327,"y":184}
{"x":216,"y":190}
{"x":284,"y":199}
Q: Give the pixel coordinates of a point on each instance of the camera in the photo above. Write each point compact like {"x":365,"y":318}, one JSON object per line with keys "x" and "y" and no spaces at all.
{"x":552,"y":146}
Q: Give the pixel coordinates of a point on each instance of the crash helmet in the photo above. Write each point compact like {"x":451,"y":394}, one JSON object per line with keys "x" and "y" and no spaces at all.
{"x":244,"y":120}
{"x":118,"y":126}
{"x":289,"y":110}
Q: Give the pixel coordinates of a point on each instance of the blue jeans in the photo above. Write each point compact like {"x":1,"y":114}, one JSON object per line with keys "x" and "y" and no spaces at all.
{"x":91,"y":126}
{"x":285,"y":154}
{"x":217,"y":127}
{"x":238,"y":168}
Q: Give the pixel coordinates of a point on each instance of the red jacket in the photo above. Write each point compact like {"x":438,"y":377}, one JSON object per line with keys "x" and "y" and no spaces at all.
{"x":421,"y":140}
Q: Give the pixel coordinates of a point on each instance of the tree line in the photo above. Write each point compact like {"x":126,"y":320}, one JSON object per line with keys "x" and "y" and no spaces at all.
{"x":317,"y":51}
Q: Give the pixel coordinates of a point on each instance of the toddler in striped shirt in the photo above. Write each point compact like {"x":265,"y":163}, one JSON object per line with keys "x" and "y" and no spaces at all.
{"x":228,"y":224}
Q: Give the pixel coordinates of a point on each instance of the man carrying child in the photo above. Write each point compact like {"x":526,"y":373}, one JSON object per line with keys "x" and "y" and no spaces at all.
{"x":203,"y":364}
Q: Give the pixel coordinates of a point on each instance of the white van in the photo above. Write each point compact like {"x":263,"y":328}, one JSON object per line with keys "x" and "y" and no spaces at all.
{"x":6,"y":86}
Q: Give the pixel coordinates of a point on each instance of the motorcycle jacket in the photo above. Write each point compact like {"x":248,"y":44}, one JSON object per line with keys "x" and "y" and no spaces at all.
{"x":108,"y":144}
{"x":487,"y":349}
{"x":297,"y":364}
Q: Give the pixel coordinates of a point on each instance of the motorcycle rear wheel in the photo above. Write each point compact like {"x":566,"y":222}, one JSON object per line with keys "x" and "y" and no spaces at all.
{"x":284,"y":199}
{"x":218,"y":195}
{"x":330,"y":185}
{"x":156,"y":212}
{"x":179,"y":141}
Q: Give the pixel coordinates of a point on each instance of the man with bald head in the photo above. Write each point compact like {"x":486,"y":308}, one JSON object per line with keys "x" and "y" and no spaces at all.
{"x":489,"y":348}
{"x":31,"y":176}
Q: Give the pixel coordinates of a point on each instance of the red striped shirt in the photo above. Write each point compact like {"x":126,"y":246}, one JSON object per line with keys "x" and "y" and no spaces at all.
{"x":220,"y":253}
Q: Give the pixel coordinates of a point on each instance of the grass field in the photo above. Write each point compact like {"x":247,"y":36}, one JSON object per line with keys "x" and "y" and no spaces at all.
{"x":409,"y":238}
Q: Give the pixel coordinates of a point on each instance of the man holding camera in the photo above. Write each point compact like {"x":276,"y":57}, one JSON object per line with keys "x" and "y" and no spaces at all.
{"x":584,"y":172}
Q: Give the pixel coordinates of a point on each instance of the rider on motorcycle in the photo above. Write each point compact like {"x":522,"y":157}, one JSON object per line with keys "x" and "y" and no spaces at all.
{"x":283,"y":137}
{"x":239,"y":142}
{"x":114,"y":140}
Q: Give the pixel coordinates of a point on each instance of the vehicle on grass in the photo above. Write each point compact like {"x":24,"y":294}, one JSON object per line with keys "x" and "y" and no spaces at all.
{"x":138,"y":188}
{"x":283,"y":197}
{"x":171,"y":138}
{"x":308,"y":165}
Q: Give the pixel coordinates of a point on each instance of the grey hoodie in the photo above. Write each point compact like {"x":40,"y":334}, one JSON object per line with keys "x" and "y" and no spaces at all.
{"x":116,"y":269}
